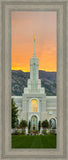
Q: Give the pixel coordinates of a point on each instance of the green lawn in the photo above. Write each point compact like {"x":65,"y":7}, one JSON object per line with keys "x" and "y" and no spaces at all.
{"x":35,"y":141}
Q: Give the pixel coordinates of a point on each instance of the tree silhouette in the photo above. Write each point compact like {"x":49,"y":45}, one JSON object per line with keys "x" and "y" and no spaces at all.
{"x":45,"y":124}
{"x":14,"y":113}
{"x":23,"y":123}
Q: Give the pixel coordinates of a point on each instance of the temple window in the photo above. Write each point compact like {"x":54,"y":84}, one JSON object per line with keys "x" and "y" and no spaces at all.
{"x":34,"y":105}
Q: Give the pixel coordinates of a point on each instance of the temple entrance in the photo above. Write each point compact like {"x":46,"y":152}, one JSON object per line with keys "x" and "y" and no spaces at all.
{"x":34,"y":123}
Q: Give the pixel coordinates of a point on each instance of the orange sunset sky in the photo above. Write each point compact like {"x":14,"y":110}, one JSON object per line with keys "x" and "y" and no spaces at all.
{"x":24,"y":26}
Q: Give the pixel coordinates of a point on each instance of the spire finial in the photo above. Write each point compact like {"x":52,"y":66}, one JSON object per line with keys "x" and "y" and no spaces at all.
{"x":34,"y":45}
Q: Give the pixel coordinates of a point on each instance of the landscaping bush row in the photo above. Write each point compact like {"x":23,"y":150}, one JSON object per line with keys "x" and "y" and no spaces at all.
{"x":35,"y":132}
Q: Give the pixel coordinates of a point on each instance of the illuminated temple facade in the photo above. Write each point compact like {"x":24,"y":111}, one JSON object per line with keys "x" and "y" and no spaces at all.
{"x":34,"y":105}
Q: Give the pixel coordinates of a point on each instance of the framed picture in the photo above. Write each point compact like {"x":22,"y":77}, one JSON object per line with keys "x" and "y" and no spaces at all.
{"x":34,"y":99}
{"x":34,"y":105}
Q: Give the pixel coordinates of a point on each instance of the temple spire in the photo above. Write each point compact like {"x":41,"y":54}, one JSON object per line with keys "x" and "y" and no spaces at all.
{"x":34,"y":46}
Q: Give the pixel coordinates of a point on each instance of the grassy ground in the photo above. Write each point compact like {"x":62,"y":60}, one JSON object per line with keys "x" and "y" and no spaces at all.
{"x":38,"y":141}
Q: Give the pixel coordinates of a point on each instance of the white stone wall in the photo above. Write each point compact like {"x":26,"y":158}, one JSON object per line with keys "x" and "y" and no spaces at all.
{"x":51,"y":103}
{"x":43,"y":116}
{"x":24,"y":116}
{"x":47,"y":107}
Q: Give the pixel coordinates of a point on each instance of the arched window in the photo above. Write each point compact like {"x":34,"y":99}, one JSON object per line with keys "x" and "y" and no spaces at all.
{"x":52,"y":123}
{"x":34,"y":105}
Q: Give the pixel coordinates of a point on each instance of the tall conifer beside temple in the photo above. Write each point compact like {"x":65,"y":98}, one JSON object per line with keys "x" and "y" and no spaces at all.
{"x":14,"y":112}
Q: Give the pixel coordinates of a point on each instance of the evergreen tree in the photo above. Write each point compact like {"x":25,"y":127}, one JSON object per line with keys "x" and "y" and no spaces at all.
{"x":39,"y":125}
{"x":14,"y":112}
{"x":23,"y":123}
{"x":29,"y":124}
{"x":45,"y":124}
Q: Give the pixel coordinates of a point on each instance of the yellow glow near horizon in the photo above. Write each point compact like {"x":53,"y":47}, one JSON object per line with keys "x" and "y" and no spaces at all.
{"x":24,"y":70}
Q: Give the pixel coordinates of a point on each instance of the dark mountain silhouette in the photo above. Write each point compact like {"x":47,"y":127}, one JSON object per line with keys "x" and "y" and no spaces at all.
{"x":19,"y":81}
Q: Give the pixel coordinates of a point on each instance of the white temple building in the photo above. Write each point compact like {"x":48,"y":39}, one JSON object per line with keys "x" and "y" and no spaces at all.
{"x":34,"y":105}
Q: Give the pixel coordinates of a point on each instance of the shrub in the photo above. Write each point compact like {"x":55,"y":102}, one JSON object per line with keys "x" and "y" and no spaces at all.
{"x":44,"y":132}
{"x":23,"y":124}
{"x":19,"y":131}
{"x":35,"y":131}
{"x":23,"y":132}
{"x":15,"y":133}
{"x":45,"y":124}
{"x":53,"y":131}
{"x":48,"y":131}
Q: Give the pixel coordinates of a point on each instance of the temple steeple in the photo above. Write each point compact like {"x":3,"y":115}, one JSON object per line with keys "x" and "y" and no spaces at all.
{"x":34,"y":63}
{"x":34,"y":83}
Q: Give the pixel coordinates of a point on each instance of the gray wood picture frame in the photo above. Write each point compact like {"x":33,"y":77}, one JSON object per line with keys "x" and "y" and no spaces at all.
{"x":61,"y":8}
